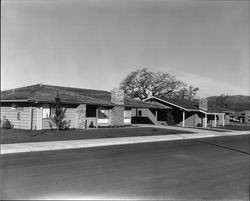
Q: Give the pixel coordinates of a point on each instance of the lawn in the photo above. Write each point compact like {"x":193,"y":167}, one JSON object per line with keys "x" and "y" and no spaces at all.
{"x":227,"y":127}
{"x":18,"y":136}
{"x":217,"y":129}
{"x":237,"y":127}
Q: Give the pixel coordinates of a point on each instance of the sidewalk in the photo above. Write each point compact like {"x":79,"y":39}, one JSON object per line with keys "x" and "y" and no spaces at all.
{"x":73,"y":144}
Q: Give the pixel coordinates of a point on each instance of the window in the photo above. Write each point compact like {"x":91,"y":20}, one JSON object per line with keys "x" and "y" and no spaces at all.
{"x":103,"y":114}
{"x":139,"y":113}
{"x":46,"y":113}
{"x":14,"y":106}
{"x":91,"y":111}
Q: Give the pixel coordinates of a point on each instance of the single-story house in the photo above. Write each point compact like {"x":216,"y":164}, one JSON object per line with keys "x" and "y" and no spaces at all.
{"x":188,"y":113}
{"x":31,"y":107}
{"x":243,"y":116}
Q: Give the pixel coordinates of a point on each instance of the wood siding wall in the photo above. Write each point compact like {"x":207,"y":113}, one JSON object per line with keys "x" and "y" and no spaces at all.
{"x":192,"y":119}
{"x":70,"y":115}
{"x":12,"y":115}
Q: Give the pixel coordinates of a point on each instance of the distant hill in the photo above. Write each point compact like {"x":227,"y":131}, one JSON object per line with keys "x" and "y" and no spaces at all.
{"x":235,"y":103}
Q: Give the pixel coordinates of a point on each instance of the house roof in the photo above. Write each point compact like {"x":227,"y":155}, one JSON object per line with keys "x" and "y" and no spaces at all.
{"x":70,"y":95}
{"x":215,"y":108}
{"x":189,"y":105}
{"x":182,"y":104}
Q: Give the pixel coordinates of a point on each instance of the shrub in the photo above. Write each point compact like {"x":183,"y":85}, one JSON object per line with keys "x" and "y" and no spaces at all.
{"x":91,"y":125}
{"x":199,"y":125}
{"x":58,"y":118}
{"x":7,"y":124}
{"x":114,"y":126}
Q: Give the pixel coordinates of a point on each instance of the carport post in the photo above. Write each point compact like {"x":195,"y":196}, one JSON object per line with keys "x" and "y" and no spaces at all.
{"x":205,"y":121}
{"x":97,"y":109}
{"x":223,"y":120}
{"x":215,"y":120}
{"x":183,"y":118}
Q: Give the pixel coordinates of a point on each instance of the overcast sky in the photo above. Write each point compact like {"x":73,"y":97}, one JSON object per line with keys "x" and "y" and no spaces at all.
{"x":96,"y":43}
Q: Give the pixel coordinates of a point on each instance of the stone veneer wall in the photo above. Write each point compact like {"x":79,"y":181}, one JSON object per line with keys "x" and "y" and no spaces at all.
{"x":117,"y":116}
{"x":80,"y":116}
{"x":117,"y":112}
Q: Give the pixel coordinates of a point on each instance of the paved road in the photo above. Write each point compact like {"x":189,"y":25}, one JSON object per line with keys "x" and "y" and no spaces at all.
{"x":203,"y":169}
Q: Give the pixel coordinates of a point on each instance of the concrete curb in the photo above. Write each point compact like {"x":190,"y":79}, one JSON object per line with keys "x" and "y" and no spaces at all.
{"x":74,"y":144}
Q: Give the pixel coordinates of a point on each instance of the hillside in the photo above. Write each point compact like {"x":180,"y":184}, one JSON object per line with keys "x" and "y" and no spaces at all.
{"x":236,"y":103}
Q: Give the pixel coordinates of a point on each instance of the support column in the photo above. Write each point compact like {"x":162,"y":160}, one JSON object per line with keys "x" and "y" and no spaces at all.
{"x":223,"y":120}
{"x":97,"y":117}
{"x":215,"y":119}
{"x":183,"y":118}
{"x":205,"y":121}
{"x":31,"y":118}
{"x":156,"y":114}
{"x":39,"y":119}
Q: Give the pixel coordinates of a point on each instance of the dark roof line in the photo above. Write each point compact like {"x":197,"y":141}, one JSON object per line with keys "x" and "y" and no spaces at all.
{"x":47,"y":93}
{"x":187,"y":107}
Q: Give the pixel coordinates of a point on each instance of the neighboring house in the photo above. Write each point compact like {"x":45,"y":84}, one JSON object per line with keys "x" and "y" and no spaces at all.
{"x":231,"y":116}
{"x":189,"y":113}
{"x":31,"y":107}
{"x":243,"y":116}
{"x":239,"y":117}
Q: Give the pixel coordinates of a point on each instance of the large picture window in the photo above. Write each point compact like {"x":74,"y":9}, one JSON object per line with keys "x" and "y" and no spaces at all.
{"x":103,"y":116}
{"x":91,"y":111}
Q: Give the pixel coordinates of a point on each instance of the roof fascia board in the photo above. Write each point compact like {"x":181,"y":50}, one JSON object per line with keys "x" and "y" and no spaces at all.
{"x":214,"y":113}
{"x":24,"y":100}
{"x":153,"y":97}
{"x":190,"y":110}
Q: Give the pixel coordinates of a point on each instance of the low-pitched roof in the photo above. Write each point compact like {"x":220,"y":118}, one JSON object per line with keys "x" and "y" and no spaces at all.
{"x":189,"y":105}
{"x":70,"y":95}
{"x":183,"y":104}
{"x":215,"y":108}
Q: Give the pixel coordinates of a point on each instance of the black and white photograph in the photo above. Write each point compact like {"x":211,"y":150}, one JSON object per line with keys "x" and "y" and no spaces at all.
{"x":125,"y":100}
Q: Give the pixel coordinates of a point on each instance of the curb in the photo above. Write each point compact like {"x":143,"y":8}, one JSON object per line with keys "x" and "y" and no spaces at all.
{"x":75,"y":144}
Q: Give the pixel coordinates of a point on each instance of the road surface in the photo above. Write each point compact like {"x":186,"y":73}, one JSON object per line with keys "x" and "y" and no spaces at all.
{"x":202,"y":169}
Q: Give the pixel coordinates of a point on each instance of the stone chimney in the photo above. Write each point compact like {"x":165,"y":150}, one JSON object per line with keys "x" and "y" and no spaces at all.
{"x":203,"y":104}
{"x":117,"y":96}
{"x":117,"y":112}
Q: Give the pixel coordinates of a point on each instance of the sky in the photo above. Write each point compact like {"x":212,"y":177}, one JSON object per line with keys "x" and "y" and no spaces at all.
{"x":95,"y":44}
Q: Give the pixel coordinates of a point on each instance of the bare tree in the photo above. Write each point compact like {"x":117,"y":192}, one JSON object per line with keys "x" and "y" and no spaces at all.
{"x":143,"y":83}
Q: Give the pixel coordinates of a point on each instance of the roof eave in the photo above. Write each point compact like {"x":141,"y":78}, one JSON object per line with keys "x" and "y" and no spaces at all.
{"x":169,"y":103}
{"x":18,"y":100}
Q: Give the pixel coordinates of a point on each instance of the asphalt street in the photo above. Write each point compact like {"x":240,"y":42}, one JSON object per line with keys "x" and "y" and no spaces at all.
{"x":199,"y":169}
